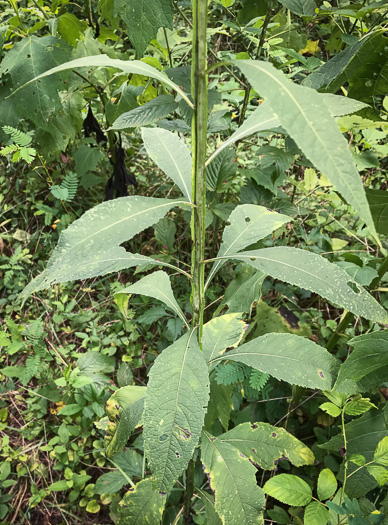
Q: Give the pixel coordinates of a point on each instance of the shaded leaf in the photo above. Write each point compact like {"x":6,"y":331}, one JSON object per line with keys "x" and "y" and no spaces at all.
{"x":156,"y":109}
{"x":289,"y":489}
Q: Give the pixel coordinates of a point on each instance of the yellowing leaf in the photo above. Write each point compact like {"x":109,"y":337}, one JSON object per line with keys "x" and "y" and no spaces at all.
{"x":312,"y":47}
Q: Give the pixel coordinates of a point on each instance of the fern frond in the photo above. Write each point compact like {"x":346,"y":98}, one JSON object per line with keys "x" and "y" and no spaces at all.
{"x":7,"y":150}
{"x":258,"y":379}
{"x":17,"y":136}
{"x":34,"y":332}
{"x":229,"y":374}
{"x":67,"y":190}
{"x":28,"y":154}
{"x":31,"y":369}
{"x":59,"y":192}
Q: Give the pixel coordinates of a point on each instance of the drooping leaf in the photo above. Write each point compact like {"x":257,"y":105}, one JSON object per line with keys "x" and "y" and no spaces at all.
{"x":158,"y":286}
{"x":142,"y":505}
{"x":238,"y":499}
{"x":368,"y":358}
{"x":173,"y":421}
{"x":165,"y":231}
{"x":265,"y":444}
{"x":311,"y":126}
{"x":221,"y":171}
{"x":300,"y":7}
{"x":244,"y":290}
{"x":156,"y":109}
{"x":220,"y":405}
{"x":289,"y":489}
{"x":91,"y":245}
{"x":170,"y":153}
{"x":221,"y":333}
{"x":315,"y":273}
{"x":248,"y":224}
{"x":378,"y":202}
{"x":143,"y":19}
{"x":327,"y":484}
{"x":125,"y":407}
{"x":281,"y":355}
{"x":316,"y":514}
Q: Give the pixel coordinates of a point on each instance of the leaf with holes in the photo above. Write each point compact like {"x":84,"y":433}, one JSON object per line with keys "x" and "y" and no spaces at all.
{"x":315,"y":273}
{"x":158,"y":286}
{"x":170,"y":153}
{"x":173,"y":421}
{"x":221,"y":333}
{"x":232,"y":477}
{"x":91,"y":245}
{"x":280,"y":356}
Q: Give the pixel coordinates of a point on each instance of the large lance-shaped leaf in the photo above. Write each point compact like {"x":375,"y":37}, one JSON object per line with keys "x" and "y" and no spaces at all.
{"x":141,"y":505}
{"x":317,"y":274}
{"x":124,"y":409}
{"x":248,"y":223}
{"x":175,"y":407}
{"x":158,"y":286}
{"x":309,"y":123}
{"x":282,"y":356}
{"x":89,"y":247}
{"x":221,"y":333}
{"x":136,"y":67}
{"x":152,"y":111}
{"x":232,"y":477}
{"x":170,"y":153}
{"x":264,"y":444}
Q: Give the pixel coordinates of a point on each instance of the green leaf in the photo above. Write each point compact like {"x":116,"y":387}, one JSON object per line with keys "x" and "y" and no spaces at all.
{"x":70,"y":28}
{"x":212,"y":517}
{"x":244,"y":290}
{"x":367,"y":360}
{"x":86,"y":160}
{"x":93,"y":506}
{"x":91,"y":245}
{"x":27,"y":59}
{"x":265,"y":444}
{"x":220,"y":405}
{"x":358,"y":459}
{"x":300,"y":7}
{"x":127,"y":403}
{"x":327,"y":484}
{"x":70,"y":410}
{"x":221,"y":333}
{"x":221,"y":171}
{"x":289,"y":489}
{"x":238,"y":499}
{"x":381,"y":453}
{"x":96,"y":365}
{"x":124,"y":375}
{"x":315,"y":273}
{"x":58,"y":485}
{"x":142,"y":505}
{"x":136,"y":67}
{"x":316,"y":514}
{"x":173,"y":421}
{"x":379,"y":473}
{"x":155,"y":109}
{"x":339,"y":105}
{"x":356,"y":407}
{"x":165,"y":231}
{"x":143,"y":19}
{"x":110,"y":483}
{"x":311,"y":126}
{"x":281,"y":355}
{"x":170,"y":153}
{"x":331,"y":409}
{"x":378,"y":203}
{"x":158,"y":286}
{"x":248,"y":223}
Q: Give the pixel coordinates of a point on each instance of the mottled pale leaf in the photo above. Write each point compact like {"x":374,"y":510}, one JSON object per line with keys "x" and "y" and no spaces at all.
{"x":221,"y":333}
{"x":90,"y":246}
{"x":170,"y":153}
{"x":315,"y":273}
{"x":247,"y":224}
{"x":316,"y":514}
{"x":232,"y":477}
{"x":142,"y":505}
{"x":281,"y":355}
{"x":175,"y":407}
{"x":158,"y":286}
{"x":309,"y":123}
{"x":155,"y":109}
{"x":289,"y":489}
{"x":327,"y":484}
{"x":265,"y":444}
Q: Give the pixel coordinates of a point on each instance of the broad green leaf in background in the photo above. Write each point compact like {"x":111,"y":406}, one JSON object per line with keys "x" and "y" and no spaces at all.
{"x":221,"y":171}
{"x":316,"y":514}
{"x":136,"y":67}
{"x":221,"y":333}
{"x":244,"y":290}
{"x":315,"y":273}
{"x":232,"y":477}
{"x":86,"y":160}
{"x":156,"y":109}
{"x":220,"y":405}
{"x":91,"y":245}
{"x":127,"y":403}
{"x":265,"y":444}
{"x":315,"y":132}
{"x":158,"y":286}
{"x":300,"y":7}
{"x":281,"y":355}
{"x":248,"y":223}
{"x":378,"y":202}
{"x":110,"y":483}
{"x":173,"y":421}
{"x":143,"y":19}
{"x":142,"y":505}
{"x":96,"y":365}
{"x":366,"y":365}
{"x":170,"y":153}
{"x":289,"y":489}
{"x":212,"y":517}
{"x":327,"y":484}
{"x":27,"y":59}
